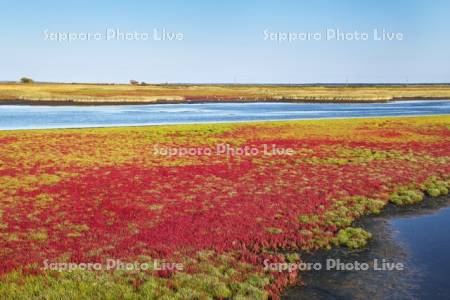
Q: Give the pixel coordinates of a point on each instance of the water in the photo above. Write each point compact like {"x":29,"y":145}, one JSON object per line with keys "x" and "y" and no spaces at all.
{"x":427,"y":242}
{"x":415,"y":236}
{"x":36,"y":117}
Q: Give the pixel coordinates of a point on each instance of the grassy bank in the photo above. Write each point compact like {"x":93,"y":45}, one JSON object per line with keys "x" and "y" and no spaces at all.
{"x":170,"y":194}
{"x":97,"y":93}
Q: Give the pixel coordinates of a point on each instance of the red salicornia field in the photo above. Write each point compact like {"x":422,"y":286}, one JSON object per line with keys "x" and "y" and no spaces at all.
{"x":197,"y":211}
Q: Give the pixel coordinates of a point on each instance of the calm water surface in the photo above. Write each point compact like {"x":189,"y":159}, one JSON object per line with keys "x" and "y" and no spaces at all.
{"x":427,"y":242}
{"x":35,"y":117}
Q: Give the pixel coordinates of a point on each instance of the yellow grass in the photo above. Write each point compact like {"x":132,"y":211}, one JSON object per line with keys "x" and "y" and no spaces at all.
{"x":104,"y":93}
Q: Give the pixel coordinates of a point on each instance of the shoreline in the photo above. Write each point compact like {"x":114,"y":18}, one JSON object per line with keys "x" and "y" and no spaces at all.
{"x":205,"y":101}
{"x":336,"y":284}
{"x":126,"y":94}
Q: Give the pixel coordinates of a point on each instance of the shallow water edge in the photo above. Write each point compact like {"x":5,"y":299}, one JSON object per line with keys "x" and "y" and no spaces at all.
{"x":414,"y":236}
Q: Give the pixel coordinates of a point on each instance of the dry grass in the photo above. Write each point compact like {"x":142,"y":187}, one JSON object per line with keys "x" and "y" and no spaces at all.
{"x":97,"y":93}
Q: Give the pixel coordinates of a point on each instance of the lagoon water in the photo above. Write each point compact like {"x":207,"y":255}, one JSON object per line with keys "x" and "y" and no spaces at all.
{"x":427,"y":242}
{"x":415,"y":236}
{"x":37,"y":117}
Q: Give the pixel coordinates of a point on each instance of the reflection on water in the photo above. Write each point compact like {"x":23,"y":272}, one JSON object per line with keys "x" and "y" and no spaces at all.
{"x":29,"y":117}
{"x":419,"y":242}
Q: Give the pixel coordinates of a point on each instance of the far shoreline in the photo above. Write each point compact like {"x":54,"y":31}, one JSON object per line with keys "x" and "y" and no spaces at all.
{"x":144,"y":93}
{"x":206,"y":101}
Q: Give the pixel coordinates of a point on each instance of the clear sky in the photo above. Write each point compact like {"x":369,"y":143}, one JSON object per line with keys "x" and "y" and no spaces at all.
{"x":225,"y":41}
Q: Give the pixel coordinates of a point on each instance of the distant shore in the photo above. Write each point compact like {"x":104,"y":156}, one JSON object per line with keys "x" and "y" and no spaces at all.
{"x":120,"y":94}
{"x":199,"y":101}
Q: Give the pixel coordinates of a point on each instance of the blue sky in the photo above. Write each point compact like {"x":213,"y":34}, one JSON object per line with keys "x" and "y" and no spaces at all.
{"x":224,"y":42}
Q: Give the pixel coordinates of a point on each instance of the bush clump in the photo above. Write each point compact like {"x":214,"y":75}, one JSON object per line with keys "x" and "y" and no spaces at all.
{"x":353,"y":238}
{"x":345,"y":211}
{"x":374,"y":206}
{"x":26,"y":80}
{"x":308,"y":219}
{"x":339,"y":217}
{"x":405,"y":196}
{"x":435,"y":187}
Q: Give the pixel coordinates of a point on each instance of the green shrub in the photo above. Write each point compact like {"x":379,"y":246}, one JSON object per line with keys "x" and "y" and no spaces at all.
{"x":308,"y":219}
{"x":433,"y":192}
{"x":26,"y":80}
{"x":338,"y":217}
{"x":374,"y":206}
{"x":353,"y":238}
{"x":435,"y":187}
{"x":404,"y":196}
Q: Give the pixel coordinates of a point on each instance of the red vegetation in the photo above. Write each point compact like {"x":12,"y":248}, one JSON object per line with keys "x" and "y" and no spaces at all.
{"x":87,"y":195}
